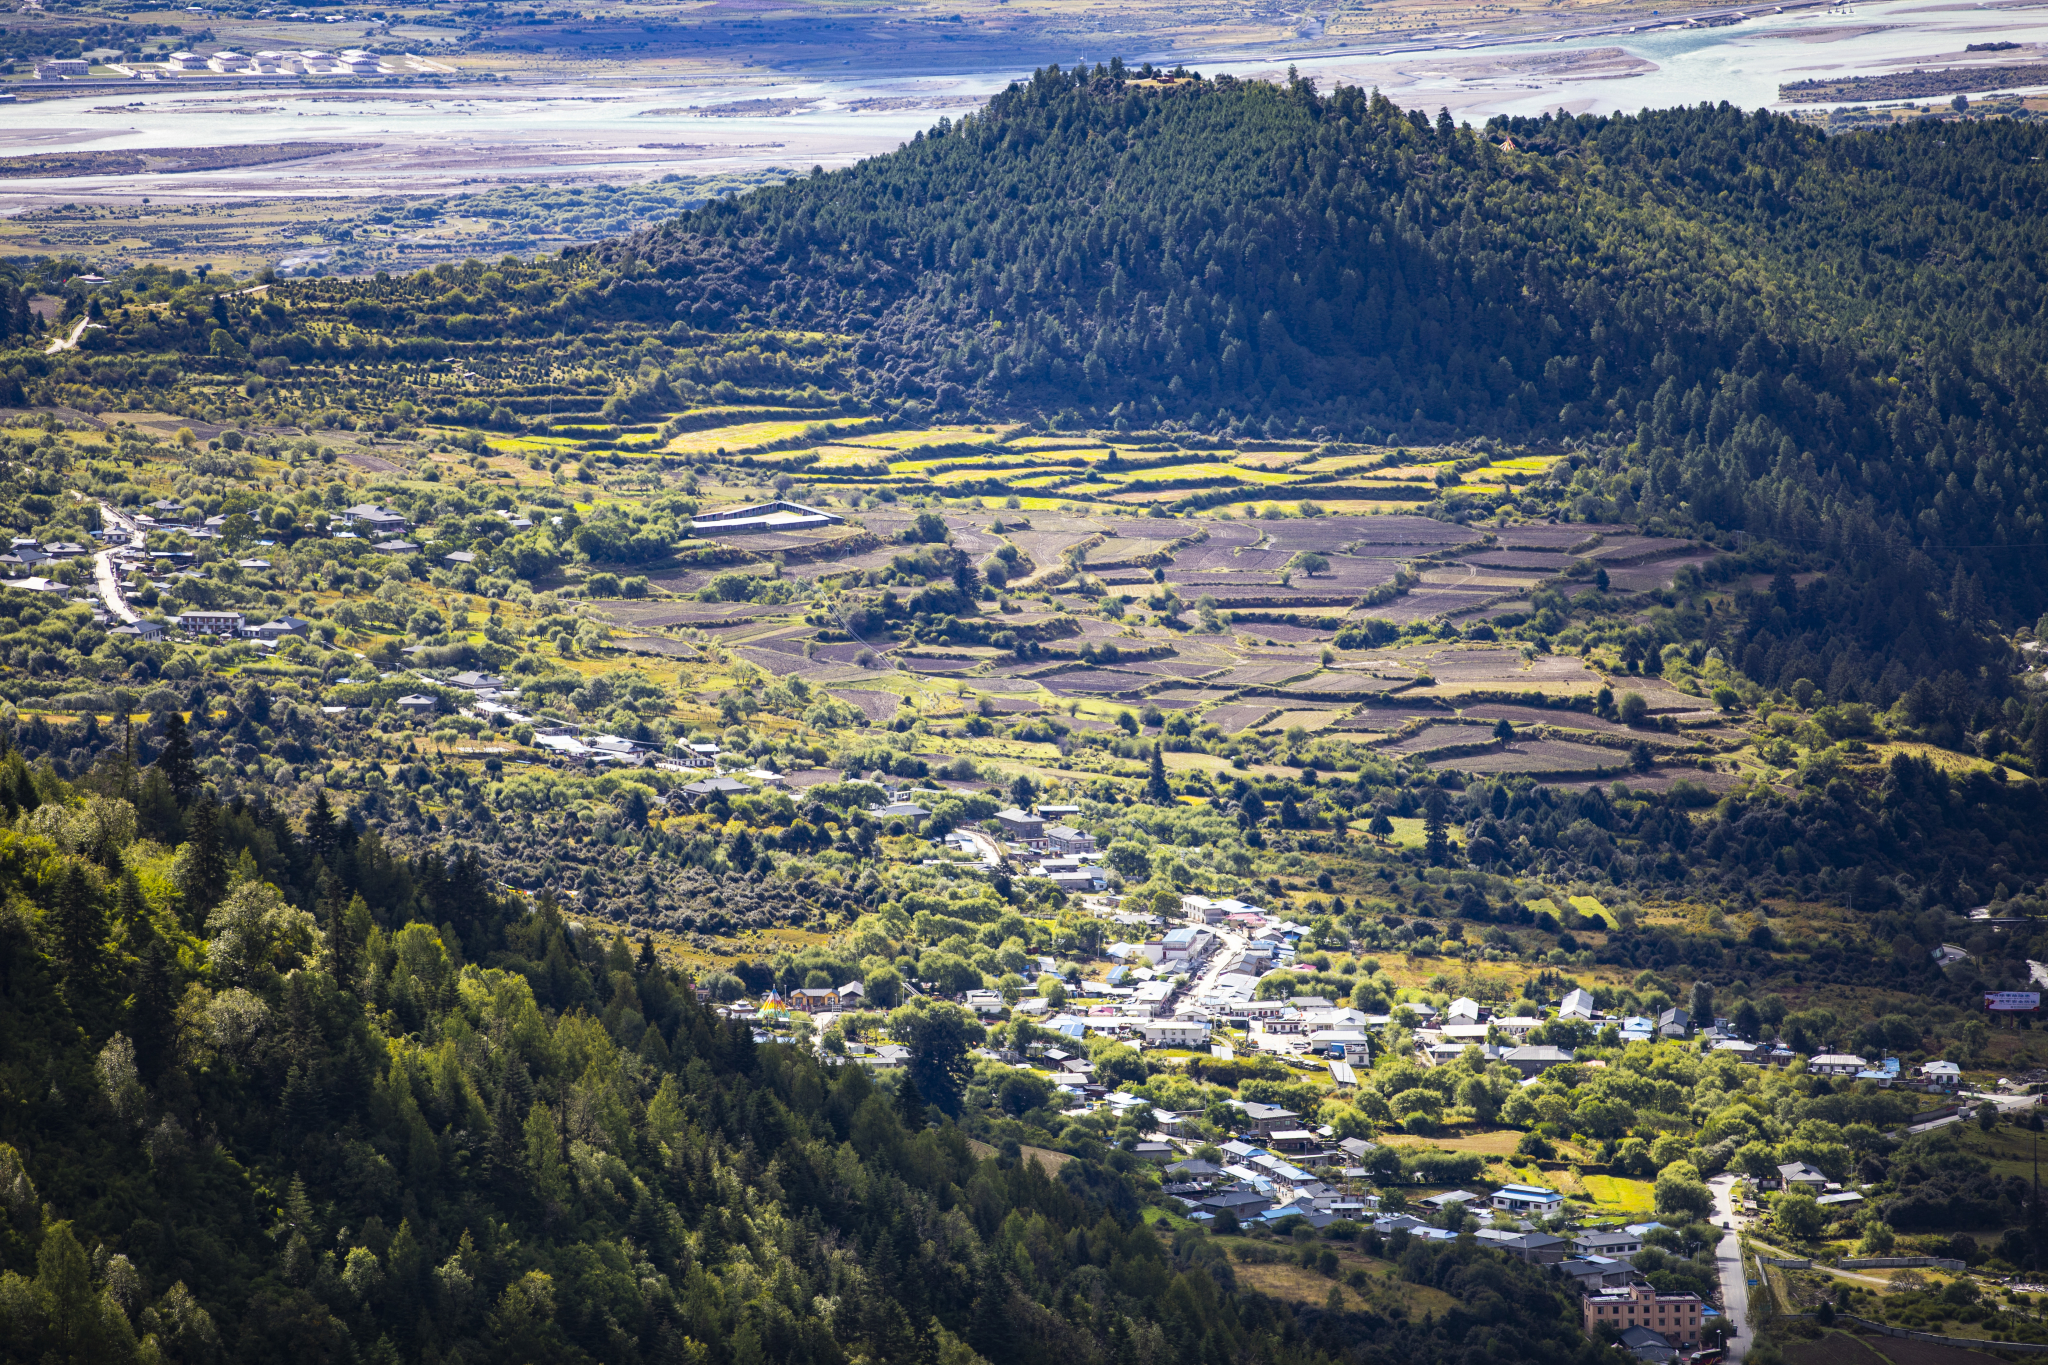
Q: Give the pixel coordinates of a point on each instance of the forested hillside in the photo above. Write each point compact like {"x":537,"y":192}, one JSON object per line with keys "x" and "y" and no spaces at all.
{"x":421,"y":1123}
{"x":1832,"y":342}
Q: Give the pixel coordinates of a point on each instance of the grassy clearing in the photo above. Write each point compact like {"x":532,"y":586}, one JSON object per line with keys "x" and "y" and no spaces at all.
{"x":1591,"y":908}
{"x":1498,"y":1142}
{"x":744,"y":436}
{"x":1384,"y":1291}
{"x":930,"y":436}
{"x":1619,"y":1195}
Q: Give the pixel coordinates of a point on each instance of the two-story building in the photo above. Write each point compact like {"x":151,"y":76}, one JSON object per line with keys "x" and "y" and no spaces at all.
{"x":1066,"y":840}
{"x":382,"y":521}
{"x":1021,"y":827}
{"x":1266,"y":1119}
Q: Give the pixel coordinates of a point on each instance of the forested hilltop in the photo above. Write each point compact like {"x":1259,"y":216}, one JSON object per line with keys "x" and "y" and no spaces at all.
{"x":1835,"y":342}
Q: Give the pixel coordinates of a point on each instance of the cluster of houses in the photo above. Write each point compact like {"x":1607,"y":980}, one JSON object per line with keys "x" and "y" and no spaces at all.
{"x":1051,"y":847}
{"x":311,"y":62}
{"x":1280,"y":1170}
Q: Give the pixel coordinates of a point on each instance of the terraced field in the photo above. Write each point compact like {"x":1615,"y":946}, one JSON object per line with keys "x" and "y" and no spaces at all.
{"x":1241,"y":585}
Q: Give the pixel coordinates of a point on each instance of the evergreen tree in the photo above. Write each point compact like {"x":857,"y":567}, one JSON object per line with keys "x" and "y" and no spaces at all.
{"x":322,"y":830}
{"x":910,"y":1102}
{"x":939,"y":1065}
{"x":1157,"y":788}
{"x":151,"y":1012}
{"x":1436,"y":840}
{"x":177,"y":761}
{"x":205,"y":875}
{"x":77,"y":916}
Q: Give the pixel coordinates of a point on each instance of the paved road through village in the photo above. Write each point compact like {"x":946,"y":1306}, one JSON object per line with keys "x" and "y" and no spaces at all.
{"x":103,"y":565}
{"x":1728,"y":1258}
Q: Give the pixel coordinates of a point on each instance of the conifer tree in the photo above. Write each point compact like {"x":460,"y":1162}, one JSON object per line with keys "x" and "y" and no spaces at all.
{"x":1436,"y":839}
{"x":177,"y":761}
{"x":1157,"y":788}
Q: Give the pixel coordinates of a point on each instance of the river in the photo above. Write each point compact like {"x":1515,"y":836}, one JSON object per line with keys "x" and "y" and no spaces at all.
{"x":429,"y":141}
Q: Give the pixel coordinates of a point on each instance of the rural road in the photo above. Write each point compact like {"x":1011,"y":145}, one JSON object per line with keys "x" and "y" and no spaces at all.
{"x":66,"y":343}
{"x":103,"y":566}
{"x":1728,"y":1258}
{"x":1229,"y":952}
{"x":991,"y":851}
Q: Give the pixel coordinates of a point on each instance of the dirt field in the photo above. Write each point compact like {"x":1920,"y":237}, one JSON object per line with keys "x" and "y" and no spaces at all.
{"x":1836,"y":1348}
{"x":1906,"y":1351}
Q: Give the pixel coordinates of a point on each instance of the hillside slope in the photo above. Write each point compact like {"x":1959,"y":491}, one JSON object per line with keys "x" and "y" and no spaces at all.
{"x":1831,"y":342}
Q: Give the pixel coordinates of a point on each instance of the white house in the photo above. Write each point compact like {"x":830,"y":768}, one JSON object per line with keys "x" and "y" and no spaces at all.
{"x":211,"y":622}
{"x":1173,"y":1032}
{"x":370,"y":516}
{"x":1527,"y":1199}
{"x":1615,"y":1243}
{"x":1836,"y":1064}
{"x":1578,"y":1004}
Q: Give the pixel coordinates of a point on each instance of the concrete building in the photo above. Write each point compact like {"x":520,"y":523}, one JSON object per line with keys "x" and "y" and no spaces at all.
{"x":211,"y":622}
{"x":1264,"y":1119}
{"x":1066,"y":839}
{"x":1648,"y":1346}
{"x":1616,"y":1244}
{"x":1593,"y":1274}
{"x":1836,"y":1064}
{"x":1020,"y":826}
{"x":780,"y":515}
{"x":1173,"y":1032}
{"x":1675,"y":1317}
{"x":61,"y":68}
{"x":1536,"y":1059}
{"x":369,"y":516}
{"x":1527,"y":1199}
{"x":1537,"y":1248}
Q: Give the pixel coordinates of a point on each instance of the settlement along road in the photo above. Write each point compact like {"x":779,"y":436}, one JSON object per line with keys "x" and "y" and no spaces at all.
{"x":1728,"y":1259}
{"x":103,"y":565}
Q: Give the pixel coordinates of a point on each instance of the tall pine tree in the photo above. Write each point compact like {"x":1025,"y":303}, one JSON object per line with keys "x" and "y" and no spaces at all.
{"x":177,"y":761}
